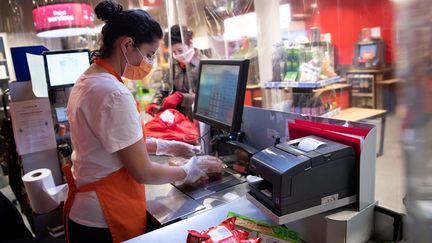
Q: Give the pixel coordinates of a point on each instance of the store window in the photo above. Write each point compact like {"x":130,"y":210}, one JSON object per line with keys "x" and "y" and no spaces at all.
{"x":309,"y":57}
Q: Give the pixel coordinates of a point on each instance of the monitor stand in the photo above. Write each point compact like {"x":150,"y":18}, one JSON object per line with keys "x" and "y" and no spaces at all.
{"x":232,"y":136}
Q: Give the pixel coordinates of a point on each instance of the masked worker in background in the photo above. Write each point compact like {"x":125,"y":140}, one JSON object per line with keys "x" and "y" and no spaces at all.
{"x":185,"y":73}
{"x":106,"y":197}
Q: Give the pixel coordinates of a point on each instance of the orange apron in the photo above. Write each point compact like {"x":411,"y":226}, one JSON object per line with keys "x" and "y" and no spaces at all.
{"x":101,"y":62}
{"x":122,"y":200}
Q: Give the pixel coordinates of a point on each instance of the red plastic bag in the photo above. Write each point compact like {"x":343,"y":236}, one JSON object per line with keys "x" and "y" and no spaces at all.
{"x":172,"y":101}
{"x":222,"y":233}
{"x":172,"y":125}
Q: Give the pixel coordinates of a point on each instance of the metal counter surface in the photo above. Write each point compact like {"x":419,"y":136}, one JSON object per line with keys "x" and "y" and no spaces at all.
{"x":177,"y":232}
{"x":167,"y":204}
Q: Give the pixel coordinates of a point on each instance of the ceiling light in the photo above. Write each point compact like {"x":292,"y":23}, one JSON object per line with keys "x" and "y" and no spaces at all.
{"x":63,"y":19}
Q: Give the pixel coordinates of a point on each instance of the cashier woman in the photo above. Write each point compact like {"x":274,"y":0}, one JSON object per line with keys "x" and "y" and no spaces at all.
{"x":106,"y":198}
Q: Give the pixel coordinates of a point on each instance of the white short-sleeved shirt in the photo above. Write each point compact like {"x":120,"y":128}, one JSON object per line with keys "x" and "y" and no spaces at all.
{"x":103,"y":120}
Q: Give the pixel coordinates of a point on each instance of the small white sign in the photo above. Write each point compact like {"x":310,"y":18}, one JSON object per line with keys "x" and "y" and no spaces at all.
{"x":32,"y":126}
{"x":330,"y":198}
{"x":37,"y":75}
{"x":376,"y":32}
{"x":168,"y":117}
{"x":3,"y":72}
{"x":219,"y":233}
{"x":326,"y":37}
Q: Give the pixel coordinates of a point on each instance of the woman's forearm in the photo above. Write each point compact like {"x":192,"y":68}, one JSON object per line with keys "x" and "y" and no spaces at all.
{"x":151,"y":145}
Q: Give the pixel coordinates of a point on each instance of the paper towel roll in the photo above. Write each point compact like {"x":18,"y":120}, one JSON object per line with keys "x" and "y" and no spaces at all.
{"x":43,"y":195}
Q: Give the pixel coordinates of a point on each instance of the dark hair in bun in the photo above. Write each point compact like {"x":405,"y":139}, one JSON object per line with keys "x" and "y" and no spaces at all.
{"x":105,"y":11}
{"x":136,"y":24}
{"x":176,"y":35}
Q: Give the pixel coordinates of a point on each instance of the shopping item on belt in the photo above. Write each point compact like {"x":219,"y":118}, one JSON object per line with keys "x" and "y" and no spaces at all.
{"x":222,"y":233}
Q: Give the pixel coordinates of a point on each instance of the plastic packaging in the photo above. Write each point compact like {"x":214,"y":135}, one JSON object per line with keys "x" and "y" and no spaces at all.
{"x":222,"y":233}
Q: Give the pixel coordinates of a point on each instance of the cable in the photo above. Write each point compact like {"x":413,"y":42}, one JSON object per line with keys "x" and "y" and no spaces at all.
{"x":195,"y":139}
{"x":215,"y":139}
{"x":200,"y":138}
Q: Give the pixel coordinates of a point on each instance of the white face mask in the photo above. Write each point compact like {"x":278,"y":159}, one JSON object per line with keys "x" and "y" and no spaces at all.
{"x":185,"y":57}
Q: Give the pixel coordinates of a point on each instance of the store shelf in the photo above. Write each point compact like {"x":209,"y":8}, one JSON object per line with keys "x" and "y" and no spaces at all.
{"x":390,"y":81}
{"x":331,"y":113}
{"x":362,"y":95}
{"x":317,"y":84}
{"x":358,"y":114}
{"x":252,"y":86}
{"x":383,"y":70}
{"x":330,"y":88}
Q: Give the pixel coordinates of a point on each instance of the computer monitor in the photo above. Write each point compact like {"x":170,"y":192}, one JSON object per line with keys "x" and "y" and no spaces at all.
{"x":61,"y":114}
{"x":369,"y":54}
{"x":220,"y":93}
{"x":63,"y":68}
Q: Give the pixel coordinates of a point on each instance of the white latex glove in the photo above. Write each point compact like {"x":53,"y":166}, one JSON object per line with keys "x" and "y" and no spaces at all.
{"x":175,"y":148}
{"x":193,"y":172}
{"x":210,"y":164}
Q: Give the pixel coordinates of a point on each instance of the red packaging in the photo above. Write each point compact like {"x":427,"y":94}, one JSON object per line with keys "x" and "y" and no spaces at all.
{"x":222,"y":233}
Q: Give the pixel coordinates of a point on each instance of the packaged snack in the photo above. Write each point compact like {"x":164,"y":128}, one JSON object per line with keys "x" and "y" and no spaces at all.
{"x":269,"y":233}
{"x":222,"y":233}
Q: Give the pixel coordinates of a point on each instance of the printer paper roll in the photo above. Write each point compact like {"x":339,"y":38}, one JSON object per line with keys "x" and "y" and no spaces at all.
{"x":43,"y":195}
{"x":309,"y":144}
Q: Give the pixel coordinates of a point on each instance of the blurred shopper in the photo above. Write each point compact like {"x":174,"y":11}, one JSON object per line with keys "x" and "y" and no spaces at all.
{"x":185,"y":72}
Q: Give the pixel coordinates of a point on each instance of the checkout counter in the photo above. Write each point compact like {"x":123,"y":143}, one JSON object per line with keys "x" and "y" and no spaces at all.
{"x":167,"y":203}
{"x":344,"y":214}
{"x":349,"y":219}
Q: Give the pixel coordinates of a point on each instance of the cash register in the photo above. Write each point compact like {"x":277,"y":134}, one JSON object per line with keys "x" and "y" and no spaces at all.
{"x":303,"y":173}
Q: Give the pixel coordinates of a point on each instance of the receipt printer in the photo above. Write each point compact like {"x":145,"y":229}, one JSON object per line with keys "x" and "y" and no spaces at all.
{"x":303,"y":173}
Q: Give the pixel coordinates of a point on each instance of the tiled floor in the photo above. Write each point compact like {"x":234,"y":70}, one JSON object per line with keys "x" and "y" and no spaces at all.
{"x":390,"y":171}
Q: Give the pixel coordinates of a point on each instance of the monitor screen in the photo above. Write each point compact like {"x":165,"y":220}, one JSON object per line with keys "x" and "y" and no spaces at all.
{"x":63,"y":68}
{"x":61,"y":114}
{"x":367,"y":52}
{"x":220,"y":93}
